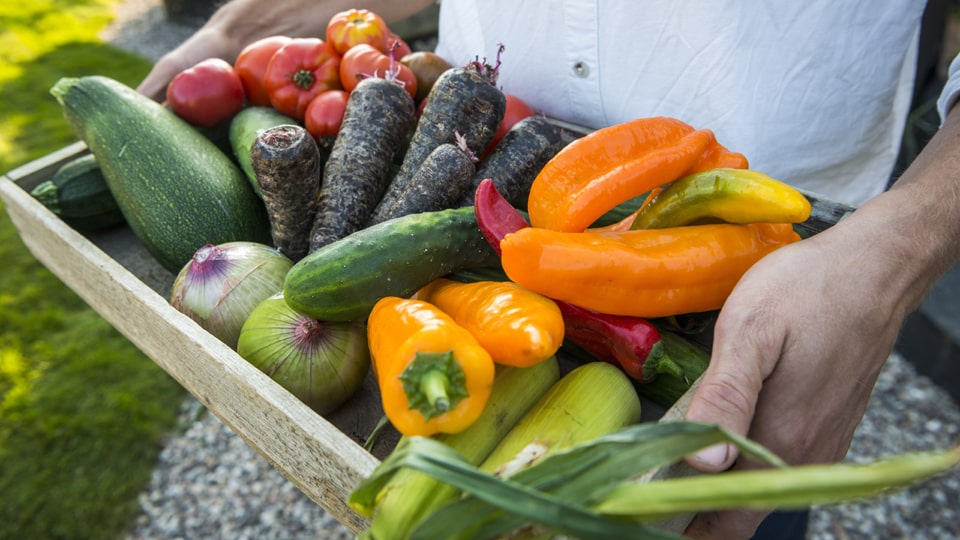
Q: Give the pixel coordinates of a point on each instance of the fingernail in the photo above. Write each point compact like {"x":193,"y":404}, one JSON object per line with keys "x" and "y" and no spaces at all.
{"x":714,"y":456}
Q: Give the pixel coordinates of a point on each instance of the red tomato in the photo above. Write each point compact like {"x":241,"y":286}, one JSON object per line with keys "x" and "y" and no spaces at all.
{"x":355,"y":26}
{"x":325,"y":113}
{"x":206,"y":94}
{"x":298,"y":72}
{"x":516,"y":110}
{"x":363,"y":61}
{"x":251,"y":66}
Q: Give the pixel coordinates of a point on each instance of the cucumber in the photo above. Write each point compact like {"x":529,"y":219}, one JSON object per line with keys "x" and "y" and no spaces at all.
{"x":176,"y":189}
{"x":79,"y":195}
{"x":244,"y":128}
{"x":341,"y":281}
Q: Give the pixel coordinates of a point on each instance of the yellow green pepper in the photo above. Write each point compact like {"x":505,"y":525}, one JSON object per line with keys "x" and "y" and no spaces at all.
{"x":724,"y":195}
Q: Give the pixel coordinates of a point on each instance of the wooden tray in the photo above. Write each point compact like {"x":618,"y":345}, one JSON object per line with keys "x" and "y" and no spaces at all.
{"x":114,"y":274}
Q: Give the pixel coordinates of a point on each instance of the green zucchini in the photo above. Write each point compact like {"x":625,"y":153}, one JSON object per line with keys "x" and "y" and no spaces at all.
{"x":176,"y":189}
{"x":79,"y":195}
{"x":244,"y":129}
{"x":342,"y":280}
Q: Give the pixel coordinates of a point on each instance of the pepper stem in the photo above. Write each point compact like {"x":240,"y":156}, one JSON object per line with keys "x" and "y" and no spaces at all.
{"x":658,"y":362}
{"x":434,"y":387}
{"x":434,"y":383}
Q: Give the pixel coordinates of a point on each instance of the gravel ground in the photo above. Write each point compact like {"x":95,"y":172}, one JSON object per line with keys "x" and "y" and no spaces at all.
{"x":209,"y":484}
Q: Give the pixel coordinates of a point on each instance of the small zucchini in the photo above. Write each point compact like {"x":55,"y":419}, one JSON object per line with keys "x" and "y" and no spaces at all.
{"x":79,"y":195}
{"x":342,"y":281}
{"x":176,"y":189}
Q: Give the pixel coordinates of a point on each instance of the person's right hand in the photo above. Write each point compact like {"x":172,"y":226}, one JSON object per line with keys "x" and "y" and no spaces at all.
{"x":207,"y":42}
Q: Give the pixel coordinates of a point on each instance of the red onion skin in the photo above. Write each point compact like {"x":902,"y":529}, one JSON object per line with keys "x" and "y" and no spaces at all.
{"x":222,"y":284}
{"x":321,"y":363}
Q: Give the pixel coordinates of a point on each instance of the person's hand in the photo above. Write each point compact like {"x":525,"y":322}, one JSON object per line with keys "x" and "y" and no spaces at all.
{"x":801,"y":340}
{"x":207,"y":42}
{"x":798,"y":347}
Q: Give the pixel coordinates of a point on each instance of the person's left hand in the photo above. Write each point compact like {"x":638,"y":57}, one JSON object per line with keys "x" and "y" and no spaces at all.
{"x":798,"y":347}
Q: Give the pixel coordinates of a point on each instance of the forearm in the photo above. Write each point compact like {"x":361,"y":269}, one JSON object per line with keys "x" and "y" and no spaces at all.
{"x":918,"y":220}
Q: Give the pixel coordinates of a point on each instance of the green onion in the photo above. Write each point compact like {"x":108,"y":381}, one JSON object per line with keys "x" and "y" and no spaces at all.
{"x":794,"y":487}
{"x":591,"y":490}
{"x":614,"y":458}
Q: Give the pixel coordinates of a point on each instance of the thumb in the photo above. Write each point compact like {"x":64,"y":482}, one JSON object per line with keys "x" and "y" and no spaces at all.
{"x":727,"y":395}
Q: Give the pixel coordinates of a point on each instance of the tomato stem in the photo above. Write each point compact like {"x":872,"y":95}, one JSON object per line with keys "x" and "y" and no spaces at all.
{"x":304,"y":78}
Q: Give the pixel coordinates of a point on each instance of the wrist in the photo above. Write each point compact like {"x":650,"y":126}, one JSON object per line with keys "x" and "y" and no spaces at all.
{"x":910,"y":236}
{"x":914,"y":228}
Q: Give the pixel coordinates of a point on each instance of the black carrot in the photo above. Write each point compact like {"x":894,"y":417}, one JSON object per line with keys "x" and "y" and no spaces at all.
{"x":517,"y":160}
{"x":464,"y":99}
{"x":439,"y":184}
{"x":378,"y":117}
{"x":287,"y":165}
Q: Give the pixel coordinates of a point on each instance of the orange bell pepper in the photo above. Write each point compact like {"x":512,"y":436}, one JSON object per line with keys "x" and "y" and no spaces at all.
{"x":433,"y":375}
{"x":596,"y":172}
{"x":641,"y":273}
{"x":517,"y":326}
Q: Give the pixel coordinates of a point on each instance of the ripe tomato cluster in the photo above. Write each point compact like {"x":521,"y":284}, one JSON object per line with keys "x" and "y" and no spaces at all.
{"x":310,"y":79}
{"x":289,"y":74}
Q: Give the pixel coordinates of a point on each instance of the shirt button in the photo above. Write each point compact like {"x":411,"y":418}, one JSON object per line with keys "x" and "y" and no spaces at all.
{"x":581,"y":69}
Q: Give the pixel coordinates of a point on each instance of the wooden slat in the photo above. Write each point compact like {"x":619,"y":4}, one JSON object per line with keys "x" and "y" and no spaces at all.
{"x":306,"y":448}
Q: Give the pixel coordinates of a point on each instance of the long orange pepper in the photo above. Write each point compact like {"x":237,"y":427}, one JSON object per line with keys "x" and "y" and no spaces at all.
{"x":517,"y":326}
{"x":433,"y":375}
{"x":641,"y":273}
{"x":596,"y":172}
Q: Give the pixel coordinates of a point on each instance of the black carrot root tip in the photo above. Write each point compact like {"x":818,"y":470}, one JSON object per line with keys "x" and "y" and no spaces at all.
{"x":379,"y":115}
{"x":443,"y":178}
{"x":517,"y":159}
{"x":392,"y":73}
{"x":490,"y":72}
{"x":287,"y":165}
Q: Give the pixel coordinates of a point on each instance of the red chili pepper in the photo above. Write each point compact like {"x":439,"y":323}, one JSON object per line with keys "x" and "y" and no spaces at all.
{"x":496,"y":217}
{"x":632,"y":343}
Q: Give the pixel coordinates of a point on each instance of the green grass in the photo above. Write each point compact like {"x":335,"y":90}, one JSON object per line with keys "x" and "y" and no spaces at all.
{"x":82,"y":411}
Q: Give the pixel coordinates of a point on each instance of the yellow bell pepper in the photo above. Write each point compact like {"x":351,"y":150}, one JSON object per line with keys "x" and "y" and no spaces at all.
{"x":433,"y":375}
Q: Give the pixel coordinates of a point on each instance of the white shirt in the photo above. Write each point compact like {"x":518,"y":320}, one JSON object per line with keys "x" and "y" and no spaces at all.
{"x":815,"y":93}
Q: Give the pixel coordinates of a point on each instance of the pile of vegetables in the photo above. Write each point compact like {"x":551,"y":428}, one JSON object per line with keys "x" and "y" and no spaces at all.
{"x":378,"y":209}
